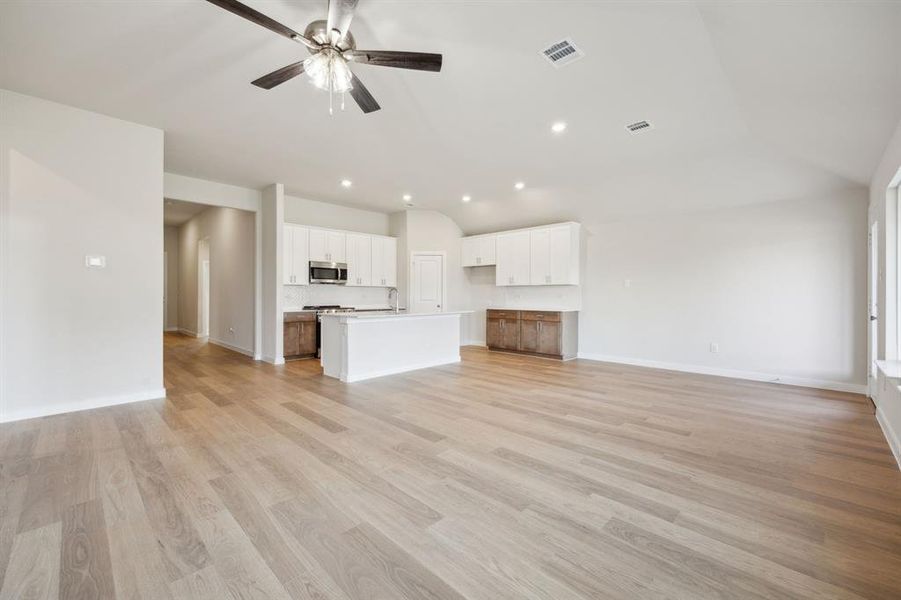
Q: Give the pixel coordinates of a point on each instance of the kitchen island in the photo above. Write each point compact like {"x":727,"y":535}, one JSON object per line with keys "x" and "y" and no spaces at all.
{"x":358,"y":346}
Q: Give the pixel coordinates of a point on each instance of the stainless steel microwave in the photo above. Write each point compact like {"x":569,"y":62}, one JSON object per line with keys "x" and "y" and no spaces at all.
{"x":328,"y":272}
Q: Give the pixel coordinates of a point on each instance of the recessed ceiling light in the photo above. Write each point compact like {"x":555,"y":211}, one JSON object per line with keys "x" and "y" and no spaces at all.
{"x":519,"y":185}
{"x":558,"y":127}
{"x":467,"y":198}
{"x":346,"y":183}
{"x":407,"y":197}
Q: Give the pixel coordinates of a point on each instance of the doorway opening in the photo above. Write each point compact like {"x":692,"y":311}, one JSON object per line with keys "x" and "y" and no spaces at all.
{"x":203,"y":288}
{"x":428,"y":282}
{"x":873,"y":243}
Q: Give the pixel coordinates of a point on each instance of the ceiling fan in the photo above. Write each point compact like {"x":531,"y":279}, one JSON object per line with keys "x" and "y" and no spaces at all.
{"x":333,"y":49}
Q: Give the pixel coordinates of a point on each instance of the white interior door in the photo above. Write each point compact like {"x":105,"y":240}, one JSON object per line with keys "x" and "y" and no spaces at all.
{"x":427,"y":283}
{"x":873,"y":304}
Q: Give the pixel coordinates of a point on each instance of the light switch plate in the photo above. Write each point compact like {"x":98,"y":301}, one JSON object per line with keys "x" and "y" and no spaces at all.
{"x":95,"y":261}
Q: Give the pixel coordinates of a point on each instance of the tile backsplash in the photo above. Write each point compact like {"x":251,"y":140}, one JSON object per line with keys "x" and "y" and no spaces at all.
{"x":298,"y":296}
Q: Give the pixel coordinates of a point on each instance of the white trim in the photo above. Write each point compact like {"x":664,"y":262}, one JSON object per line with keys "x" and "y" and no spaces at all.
{"x":395,"y":371}
{"x":890,"y":435}
{"x":480,"y":343}
{"x":79,"y":405}
{"x":231,"y":347}
{"x":171,"y":329}
{"x":823,"y":384}
{"x":273,"y":361}
{"x":188,"y":332}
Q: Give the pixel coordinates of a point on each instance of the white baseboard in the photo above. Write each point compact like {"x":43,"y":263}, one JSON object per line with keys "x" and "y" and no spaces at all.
{"x":190,"y":333}
{"x":274,"y":361}
{"x":171,"y":329}
{"x":475,"y":343}
{"x":384,"y":372}
{"x":890,"y":435}
{"x":822,"y":384}
{"x":79,"y":405}
{"x":231,"y":347}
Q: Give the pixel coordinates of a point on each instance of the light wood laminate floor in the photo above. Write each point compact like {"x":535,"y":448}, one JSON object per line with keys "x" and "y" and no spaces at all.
{"x":504,"y":477}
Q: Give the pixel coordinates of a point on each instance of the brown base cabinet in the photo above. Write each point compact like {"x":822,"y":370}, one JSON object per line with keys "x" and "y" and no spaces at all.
{"x":300,"y":335}
{"x":545,"y":333}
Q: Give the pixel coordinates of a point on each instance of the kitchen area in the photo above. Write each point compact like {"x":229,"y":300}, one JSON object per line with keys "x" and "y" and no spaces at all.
{"x":342,"y":305}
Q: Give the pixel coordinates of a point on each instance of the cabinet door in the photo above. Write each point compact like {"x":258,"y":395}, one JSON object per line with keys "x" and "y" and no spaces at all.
{"x":288,"y":255}
{"x":513,"y":264}
{"x":510,"y":334}
{"x":300,"y":256}
{"x":319,"y":245}
{"x":493,"y":338}
{"x":378,"y":261}
{"x":359,"y":259}
{"x":528,"y":336}
{"x":306,"y":345}
{"x":540,"y":256}
{"x":562,"y":264}
{"x":470,"y":249}
{"x":337,"y":246}
{"x":487,"y":250}
{"x":292,"y":339}
{"x":548,"y":339}
{"x":390,"y":261}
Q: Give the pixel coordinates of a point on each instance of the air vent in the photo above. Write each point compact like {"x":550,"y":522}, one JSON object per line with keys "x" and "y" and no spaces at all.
{"x":638,"y":126}
{"x":562,"y":53}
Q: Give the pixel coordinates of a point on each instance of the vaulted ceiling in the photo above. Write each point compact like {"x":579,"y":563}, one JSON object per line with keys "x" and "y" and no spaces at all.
{"x":749,"y":101}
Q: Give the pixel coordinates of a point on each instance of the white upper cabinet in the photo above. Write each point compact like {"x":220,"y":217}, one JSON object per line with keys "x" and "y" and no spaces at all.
{"x":359,"y":259}
{"x":479,"y":250}
{"x":513,"y":264}
{"x":327,"y":245}
{"x":295,"y":255}
{"x":547,"y":255}
{"x":554,"y":253}
{"x":384,"y":261}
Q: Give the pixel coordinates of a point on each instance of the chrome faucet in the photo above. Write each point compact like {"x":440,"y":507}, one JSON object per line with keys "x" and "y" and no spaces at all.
{"x":396,"y":305}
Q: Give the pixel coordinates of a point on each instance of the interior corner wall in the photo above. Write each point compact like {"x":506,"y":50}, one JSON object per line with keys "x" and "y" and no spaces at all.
{"x":778,"y":287}
{"x":232,"y":250}
{"x":272,"y":219}
{"x":170,"y":246}
{"x":75,"y":183}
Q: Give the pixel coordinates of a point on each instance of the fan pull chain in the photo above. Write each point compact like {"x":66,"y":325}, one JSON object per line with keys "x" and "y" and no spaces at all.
{"x":330,"y":88}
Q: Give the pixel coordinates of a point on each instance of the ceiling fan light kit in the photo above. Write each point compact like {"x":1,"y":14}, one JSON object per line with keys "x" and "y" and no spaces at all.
{"x":333,"y":49}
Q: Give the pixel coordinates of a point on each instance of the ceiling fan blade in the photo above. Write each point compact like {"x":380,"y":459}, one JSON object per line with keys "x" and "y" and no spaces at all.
{"x":340,"y":14}
{"x":421,"y":61}
{"x":242,"y":10}
{"x":362,"y":97}
{"x":267,"y":82}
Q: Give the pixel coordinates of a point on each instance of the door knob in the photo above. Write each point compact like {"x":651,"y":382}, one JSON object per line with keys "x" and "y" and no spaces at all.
{"x":873,"y":317}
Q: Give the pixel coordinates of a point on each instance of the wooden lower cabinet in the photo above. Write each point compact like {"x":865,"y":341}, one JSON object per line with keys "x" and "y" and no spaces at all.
{"x":300,"y":335}
{"x":545,"y":333}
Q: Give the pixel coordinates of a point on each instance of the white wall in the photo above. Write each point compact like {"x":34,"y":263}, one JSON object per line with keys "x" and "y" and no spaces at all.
{"x":780,"y":287}
{"x":230,"y":233}
{"x":170,"y":245}
{"x":323,"y":214}
{"x":73,"y":183}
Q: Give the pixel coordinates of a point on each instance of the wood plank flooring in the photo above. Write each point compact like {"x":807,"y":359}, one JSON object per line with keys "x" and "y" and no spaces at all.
{"x":503,"y":477}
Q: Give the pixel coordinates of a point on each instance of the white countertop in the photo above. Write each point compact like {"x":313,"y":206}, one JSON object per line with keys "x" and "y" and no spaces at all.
{"x":392,"y":315}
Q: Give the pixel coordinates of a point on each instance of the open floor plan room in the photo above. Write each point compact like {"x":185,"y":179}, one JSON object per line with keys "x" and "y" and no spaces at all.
{"x":369,"y":300}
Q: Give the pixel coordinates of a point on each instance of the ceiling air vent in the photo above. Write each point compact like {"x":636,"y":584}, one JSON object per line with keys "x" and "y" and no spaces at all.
{"x":562,"y":53}
{"x":638,"y":126}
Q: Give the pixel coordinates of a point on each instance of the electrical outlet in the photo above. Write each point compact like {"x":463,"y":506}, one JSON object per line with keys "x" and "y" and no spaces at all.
{"x":714,"y":347}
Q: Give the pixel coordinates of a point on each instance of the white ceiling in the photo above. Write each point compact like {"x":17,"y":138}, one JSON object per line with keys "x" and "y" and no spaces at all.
{"x":177,"y":212}
{"x":750,"y":102}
